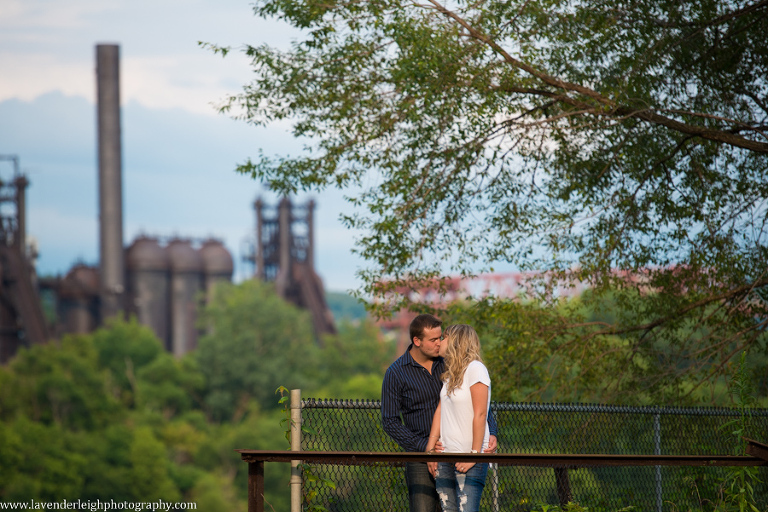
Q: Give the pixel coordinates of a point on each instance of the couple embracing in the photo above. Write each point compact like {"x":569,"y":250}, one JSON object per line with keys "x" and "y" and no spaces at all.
{"x":436,"y":397}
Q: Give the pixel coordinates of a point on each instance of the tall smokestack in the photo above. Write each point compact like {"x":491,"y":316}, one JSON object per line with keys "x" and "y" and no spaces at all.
{"x":110,"y":180}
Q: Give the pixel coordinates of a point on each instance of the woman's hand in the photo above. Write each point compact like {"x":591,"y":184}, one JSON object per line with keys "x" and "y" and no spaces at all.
{"x":463,"y":467}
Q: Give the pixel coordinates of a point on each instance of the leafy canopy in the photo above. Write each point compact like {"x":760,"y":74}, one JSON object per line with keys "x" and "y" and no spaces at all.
{"x":622,"y":144}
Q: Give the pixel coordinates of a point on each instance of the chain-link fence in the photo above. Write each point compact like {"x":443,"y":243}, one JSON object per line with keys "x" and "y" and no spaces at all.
{"x":355,"y":425}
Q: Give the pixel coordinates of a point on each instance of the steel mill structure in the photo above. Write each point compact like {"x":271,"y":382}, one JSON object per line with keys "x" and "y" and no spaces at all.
{"x":21,"y":314}
{"x":161,"y":281}
{"x":167,"y":281}
{"x":284,"y":254}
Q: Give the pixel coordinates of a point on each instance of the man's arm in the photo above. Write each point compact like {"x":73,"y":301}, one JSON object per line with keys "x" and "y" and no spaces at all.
{"x":390,"y":417}
{"x":492,"y":431}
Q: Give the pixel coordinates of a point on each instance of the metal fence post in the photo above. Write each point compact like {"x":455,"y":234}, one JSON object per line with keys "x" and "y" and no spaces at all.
{"x":295,"y":446}
{"x":657,"y":451}
{"x":495,"y":486}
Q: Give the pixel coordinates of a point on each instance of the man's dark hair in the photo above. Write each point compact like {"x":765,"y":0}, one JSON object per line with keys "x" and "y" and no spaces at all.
{"x":422,"y":322}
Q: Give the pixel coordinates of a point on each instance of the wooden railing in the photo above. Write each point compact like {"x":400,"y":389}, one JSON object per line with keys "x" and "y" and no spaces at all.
{"x":757,"y":456}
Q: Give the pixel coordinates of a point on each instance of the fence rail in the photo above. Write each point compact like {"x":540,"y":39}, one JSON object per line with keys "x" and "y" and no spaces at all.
{"x":257,"y":458}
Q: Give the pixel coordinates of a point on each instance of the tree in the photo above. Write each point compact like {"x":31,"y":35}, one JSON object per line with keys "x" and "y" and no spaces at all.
{"x":353,"y":362}
{"x":149,"y":478}
{"x":41,"y":463}
{"x":59,"y":383}
{"x":124,"y":348}
{"x":621,"y":144}
{"x":256,"y":342}
{"x":110,"y":415}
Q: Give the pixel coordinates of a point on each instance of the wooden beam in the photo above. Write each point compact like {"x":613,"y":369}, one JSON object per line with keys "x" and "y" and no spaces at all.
{"x":504,"y":459}
{"x":563,"y":484}
{"x":256,"y":486}
{"x":757,"y":449}
{"x":559,"y":462}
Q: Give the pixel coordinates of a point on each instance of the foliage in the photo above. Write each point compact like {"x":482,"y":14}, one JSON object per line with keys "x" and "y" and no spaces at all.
{"x":60,"y":385}
{"x":45,"y":465}
{"x":532,"y":358}
{"x":124,"y":348}
{"x":107,"y":416}
{"x":740,"y":481}
{"x":617,"y":144}
{"x":214,"y":492}
{"x":255,"y":341}
{"x":111,"y":415}
{"x":285,"y":402}
{"x":244,"y":355}
{"x":358,"y":348}
{"x":572,"y":507}
{"x":149,"y":468}
{"x":170,"y":386}
{"x":357,"y":386}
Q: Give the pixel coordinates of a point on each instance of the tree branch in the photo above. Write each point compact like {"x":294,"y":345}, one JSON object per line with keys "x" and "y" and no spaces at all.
{"x":613,"y":108}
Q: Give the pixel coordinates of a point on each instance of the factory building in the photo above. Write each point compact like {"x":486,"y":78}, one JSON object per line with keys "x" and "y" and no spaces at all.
{"x":161,"y":281}
{"x":166,"y":285}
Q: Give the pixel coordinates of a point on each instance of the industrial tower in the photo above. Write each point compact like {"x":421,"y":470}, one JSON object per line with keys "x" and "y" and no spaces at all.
{"x":21,"y":316}
{"x":284,"y":254}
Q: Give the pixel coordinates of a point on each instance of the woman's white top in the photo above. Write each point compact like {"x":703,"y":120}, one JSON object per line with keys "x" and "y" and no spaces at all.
{"x":456,"y":411}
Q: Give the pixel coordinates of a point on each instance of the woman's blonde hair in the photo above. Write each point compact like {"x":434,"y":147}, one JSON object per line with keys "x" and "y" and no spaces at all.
{"x":463,"y":348}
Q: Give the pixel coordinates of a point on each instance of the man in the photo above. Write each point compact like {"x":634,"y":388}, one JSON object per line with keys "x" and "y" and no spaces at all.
{"x":411,"y":388}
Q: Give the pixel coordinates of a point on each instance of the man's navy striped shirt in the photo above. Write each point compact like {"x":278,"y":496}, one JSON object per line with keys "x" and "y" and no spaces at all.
{"x":410,"y":389}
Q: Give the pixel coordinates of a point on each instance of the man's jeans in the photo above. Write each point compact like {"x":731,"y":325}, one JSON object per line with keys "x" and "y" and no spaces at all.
{"x":422,"y":495}
{"x":460,"y":492}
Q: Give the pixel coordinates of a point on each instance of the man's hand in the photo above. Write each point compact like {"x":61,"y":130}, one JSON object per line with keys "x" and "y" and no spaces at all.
{"x":492,"y":445}
{"x":432,"y":466}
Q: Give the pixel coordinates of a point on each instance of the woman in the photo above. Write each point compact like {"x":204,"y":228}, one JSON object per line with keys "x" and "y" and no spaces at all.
{"x":461,"y":420}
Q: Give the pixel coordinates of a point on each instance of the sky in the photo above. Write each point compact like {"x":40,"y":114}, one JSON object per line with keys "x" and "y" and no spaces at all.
{"x":179,"y":153}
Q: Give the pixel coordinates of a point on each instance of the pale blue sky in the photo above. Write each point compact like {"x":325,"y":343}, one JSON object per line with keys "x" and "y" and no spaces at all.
{"x":178,"y":153}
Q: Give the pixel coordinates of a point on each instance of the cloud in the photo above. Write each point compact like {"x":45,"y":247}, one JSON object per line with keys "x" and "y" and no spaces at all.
{"x":153,"y":81}
{"x":49,"y":46}
{"x":38,"y":74}
{"x":176,"y":82}
{"x":38,"y":20}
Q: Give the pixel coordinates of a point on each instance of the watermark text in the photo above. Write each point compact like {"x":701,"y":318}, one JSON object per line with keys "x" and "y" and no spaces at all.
{"x":94,"y":505}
